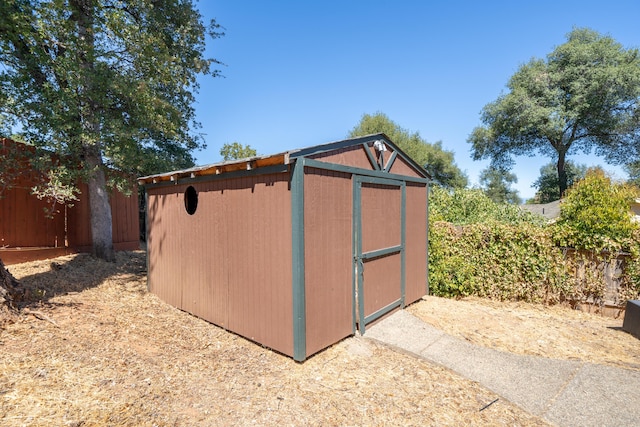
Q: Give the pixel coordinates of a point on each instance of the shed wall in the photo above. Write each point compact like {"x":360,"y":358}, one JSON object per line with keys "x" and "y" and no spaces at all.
{"x":401,"y":167}
{"x":416,"y":242}
{"x":328,"y":258}
{"x":353,"y":156}
{"x":356,"y":156}
{"x":229,"y":262}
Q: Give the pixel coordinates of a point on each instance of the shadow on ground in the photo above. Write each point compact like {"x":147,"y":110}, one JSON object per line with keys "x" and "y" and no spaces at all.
{"x":44,"y":280}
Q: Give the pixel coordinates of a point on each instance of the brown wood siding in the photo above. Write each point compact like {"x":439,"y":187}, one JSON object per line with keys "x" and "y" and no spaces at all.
{"x":381,"y":228}
{"x":353,"y":156}
{"x":229,"y":262}
{"x":381,"y":282}
{"x":401,"y":167}
{"x":24,"y":222}
{"x":329,"y":257}
{"x":124,"y":218}
{"x":164,"y":253}
{"x":415,"y":242}
{"x":17,"y":256}
{"x":28,"y":234}
{"x":260,"y":292}
{"x":380,"y":206}
{"x":79,"y":222}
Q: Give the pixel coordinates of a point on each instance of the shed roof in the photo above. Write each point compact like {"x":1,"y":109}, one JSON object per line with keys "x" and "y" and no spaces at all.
{"x":284,"y":158}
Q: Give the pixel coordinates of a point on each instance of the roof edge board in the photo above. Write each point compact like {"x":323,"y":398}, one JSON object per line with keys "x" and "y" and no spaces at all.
{"x":284,"y":158}
{"x":249,"y":163}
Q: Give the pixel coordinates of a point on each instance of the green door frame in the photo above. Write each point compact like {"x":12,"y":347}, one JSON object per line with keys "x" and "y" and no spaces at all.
{"x":359,"y":257}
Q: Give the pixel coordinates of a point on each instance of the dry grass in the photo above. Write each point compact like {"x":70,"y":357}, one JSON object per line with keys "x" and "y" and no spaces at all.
{"x":556,"y":332}
{"x":97,"y":349}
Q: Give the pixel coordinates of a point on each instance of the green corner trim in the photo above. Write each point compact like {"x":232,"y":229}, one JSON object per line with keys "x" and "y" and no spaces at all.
{"x":427,"y":237}
{"x":392,"y":159}
{"x":372,"y":160}
{"x":403,"y":243}
{"x":297,"y":259}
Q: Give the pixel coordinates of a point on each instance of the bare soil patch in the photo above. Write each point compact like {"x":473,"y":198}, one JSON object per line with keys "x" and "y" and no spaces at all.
{"x":94,"y":348}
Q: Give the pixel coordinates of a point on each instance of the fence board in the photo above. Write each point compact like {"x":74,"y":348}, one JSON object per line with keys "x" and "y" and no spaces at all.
{"x":26,"y":226}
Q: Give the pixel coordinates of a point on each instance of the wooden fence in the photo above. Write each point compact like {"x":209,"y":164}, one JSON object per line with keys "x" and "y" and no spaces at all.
{"x":27,"y":232}
{"x":602,"y":279}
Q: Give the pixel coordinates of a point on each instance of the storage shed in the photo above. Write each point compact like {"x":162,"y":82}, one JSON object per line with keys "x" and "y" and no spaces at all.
{"x":295,"y":250}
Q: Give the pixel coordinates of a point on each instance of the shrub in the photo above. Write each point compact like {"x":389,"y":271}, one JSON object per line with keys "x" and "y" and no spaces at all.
{"x":469,"y":206}
{"x":497,"y":260}
{"x":595,"y":215}
{"x":478,"y":247}
{"x":595,"y":220}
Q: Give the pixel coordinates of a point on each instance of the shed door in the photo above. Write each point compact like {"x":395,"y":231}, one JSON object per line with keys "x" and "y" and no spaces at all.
{"x":379,"y":241}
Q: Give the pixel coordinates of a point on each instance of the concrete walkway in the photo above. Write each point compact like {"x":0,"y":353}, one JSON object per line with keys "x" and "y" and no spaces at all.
{"x":564,"y":393}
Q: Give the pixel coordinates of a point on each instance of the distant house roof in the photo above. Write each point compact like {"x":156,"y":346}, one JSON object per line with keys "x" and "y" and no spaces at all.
{"x":550,"y":211}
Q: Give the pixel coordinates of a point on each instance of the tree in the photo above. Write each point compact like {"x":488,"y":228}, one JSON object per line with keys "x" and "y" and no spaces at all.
{"x":104,"y":84}
{"x":633,"y":169}
{"x":236,"y":151}
{"x":547,"y":183}
{"x":438,"y":162}
{"x":9,"y":291}
{"x":497,"y":185}
{"x":595,"y":214}
{"x":463,"y":206}
{"x":584,"y":96}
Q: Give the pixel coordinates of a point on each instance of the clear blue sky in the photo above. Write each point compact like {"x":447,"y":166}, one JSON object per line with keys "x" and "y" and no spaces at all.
{"x":302,"y":73}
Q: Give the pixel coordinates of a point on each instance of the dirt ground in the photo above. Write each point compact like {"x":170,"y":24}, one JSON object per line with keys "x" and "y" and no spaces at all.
{"x":95,"y":348}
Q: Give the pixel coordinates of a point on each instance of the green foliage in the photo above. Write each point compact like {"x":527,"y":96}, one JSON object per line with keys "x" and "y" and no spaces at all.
{"x":437,"y":161}
{"x":595,"y":215}
{"x":496,"y":250}
{"x":478,"y":247}
{"x":497,"y":182}
{"x":548,"y":184}
{"x":467,"y":206}
{"x":10,"y":159}
{"x":585,"y":95}
{"x":496,"y":260}
{"x":105,"y":81}
{"x":104,"y":84}
{"x":631,"y":290}
{"x":633,"y":169}
{"x":521,"y":262}
{"x":56,"y":190}
{"x":235,"y":151}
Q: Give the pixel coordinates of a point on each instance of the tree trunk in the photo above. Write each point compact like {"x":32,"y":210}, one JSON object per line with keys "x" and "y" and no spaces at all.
{"x":99,"y":207}
{"x":10,"y":290}
{"x":100,"y":210}
{"x":562,"y":173}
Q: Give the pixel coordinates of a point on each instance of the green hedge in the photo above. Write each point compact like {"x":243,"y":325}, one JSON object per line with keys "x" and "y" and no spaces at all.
{"x":499,"y":261}
{"x":499,"y":251}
